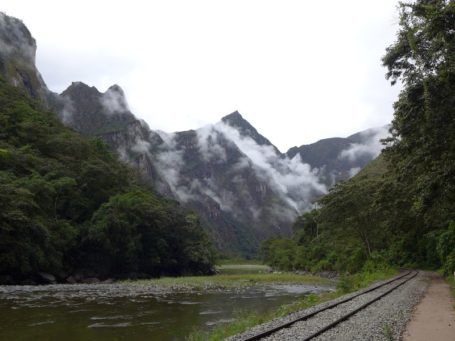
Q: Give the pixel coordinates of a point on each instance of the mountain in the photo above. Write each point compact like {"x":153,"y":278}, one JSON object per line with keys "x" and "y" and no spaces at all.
{"x":245,"y":129}
{"x":243,"y":188}
{"x":341,"y":158}
{"x":17,"y":58}
{"x":70,"y":209}
{"x":94,"y":113}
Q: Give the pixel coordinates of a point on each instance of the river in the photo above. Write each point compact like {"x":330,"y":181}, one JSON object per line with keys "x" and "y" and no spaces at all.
{"x":129,"y":312}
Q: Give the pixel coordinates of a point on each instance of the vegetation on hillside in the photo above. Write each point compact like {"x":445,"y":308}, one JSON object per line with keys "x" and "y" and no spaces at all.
{"x":400,"y":210}
{"x":69,"y":206}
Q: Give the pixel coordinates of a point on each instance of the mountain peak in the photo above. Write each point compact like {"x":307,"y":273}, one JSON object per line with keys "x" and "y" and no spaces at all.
{"x":78,"y":87}
{"x":17,"y":58}
{"x":116,"y":89}
{"x":233,"y":116}
{"x":16,"y":40}
{"x":235,"y":120}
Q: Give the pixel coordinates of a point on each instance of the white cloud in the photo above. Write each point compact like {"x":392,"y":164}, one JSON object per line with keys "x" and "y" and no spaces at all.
{"x":20,"y":44}
{"x":168,"y":163}
{"x":114,"y":101}
{"x":293,"y":181}
{"x":299,"y":70}
{"x":67,"y":110}
{"x":353,"y":171}
{"x":371,"y":147}
{"x":208,"y":144}
{"x":141,"y":146}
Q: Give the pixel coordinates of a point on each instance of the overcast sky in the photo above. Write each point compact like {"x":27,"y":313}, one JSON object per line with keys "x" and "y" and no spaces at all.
{"x":297,"y":70}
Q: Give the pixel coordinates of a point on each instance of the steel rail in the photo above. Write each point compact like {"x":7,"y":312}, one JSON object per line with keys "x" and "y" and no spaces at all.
{"x":355,"y":311}
{"x":273,"y":330}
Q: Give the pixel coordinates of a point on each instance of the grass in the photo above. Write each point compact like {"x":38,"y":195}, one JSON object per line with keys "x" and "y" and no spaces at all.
{"x":387,"y":330}
{"x":230,"y":280}
{"x":244,"y":321}
{"x":232,"y":276}
{"x":236,"y":269}
{"x":238,"y":261}
{"x":360,"y":280}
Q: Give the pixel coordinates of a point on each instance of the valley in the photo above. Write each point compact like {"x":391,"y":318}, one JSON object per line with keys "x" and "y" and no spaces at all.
{"x":111,"y":228}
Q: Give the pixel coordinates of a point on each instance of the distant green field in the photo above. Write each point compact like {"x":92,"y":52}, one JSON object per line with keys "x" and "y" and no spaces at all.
{"x":232,"y":275}
{"x":232,"y":269}
{"x":231,"y":261}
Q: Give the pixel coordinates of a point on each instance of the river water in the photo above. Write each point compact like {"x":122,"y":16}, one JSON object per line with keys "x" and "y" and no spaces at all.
{"x":129,"y":312}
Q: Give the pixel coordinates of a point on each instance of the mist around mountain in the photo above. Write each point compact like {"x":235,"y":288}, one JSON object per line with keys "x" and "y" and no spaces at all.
{"x":243,"y":188}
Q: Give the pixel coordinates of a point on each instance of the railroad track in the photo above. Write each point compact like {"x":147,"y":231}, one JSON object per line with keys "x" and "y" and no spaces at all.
{"x":388,"y":286}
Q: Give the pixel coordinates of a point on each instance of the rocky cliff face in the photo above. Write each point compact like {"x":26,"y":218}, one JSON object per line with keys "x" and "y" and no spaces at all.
{"x":92,"y":112}
{"x":243,"y":188}
{"x":17,"y":58}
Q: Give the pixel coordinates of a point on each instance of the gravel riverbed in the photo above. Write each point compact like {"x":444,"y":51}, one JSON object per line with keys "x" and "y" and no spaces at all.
{"x":383,"y":320}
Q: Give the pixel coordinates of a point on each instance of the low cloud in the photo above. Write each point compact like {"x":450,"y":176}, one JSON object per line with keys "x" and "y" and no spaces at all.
{"x":113,"y":100}
{"x":141,"y":146}
{"x":169,"y":163}
{"x":353,"y":171}
{"x":67,"y":109}
{"x":209,"y":144}
{"x":371,"y":145}
{"x":19,"y":42}
{"x":293,"y":181}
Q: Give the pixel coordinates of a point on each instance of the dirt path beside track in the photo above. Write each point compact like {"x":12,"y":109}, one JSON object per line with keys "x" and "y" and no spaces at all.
{"x":434,"y":317}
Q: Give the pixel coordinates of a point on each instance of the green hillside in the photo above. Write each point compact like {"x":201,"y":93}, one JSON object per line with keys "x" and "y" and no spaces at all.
{"x":67,"y":206}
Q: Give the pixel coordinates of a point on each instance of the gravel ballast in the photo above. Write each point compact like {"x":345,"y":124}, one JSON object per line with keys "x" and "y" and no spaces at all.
{"x":383,"y":320}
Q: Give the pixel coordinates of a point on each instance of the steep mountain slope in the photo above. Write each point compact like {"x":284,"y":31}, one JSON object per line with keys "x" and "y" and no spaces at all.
{"x":341,"y":158}
{"x":241,"y":185}
{"x":245,"y":129}
{"x":97,"y":113}
{"x":68,"y":207}
{"x":17,"y":58}
{"x":233,"y":181}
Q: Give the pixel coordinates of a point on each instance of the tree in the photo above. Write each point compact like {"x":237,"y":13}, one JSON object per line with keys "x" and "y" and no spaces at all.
{"x":423,"y":142}
{"x":305,"y":227}
{"x":67,"y":205}
{"x":400,"y":208}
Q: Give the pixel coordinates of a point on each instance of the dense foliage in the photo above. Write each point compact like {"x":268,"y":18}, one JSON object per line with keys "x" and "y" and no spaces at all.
{"x":68,"y":206}
{"x":400,"y":210}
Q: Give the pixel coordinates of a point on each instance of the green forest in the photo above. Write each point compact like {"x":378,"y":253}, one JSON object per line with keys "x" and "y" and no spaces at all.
{"x":68,"y":206}
{"x":399,"y":210}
